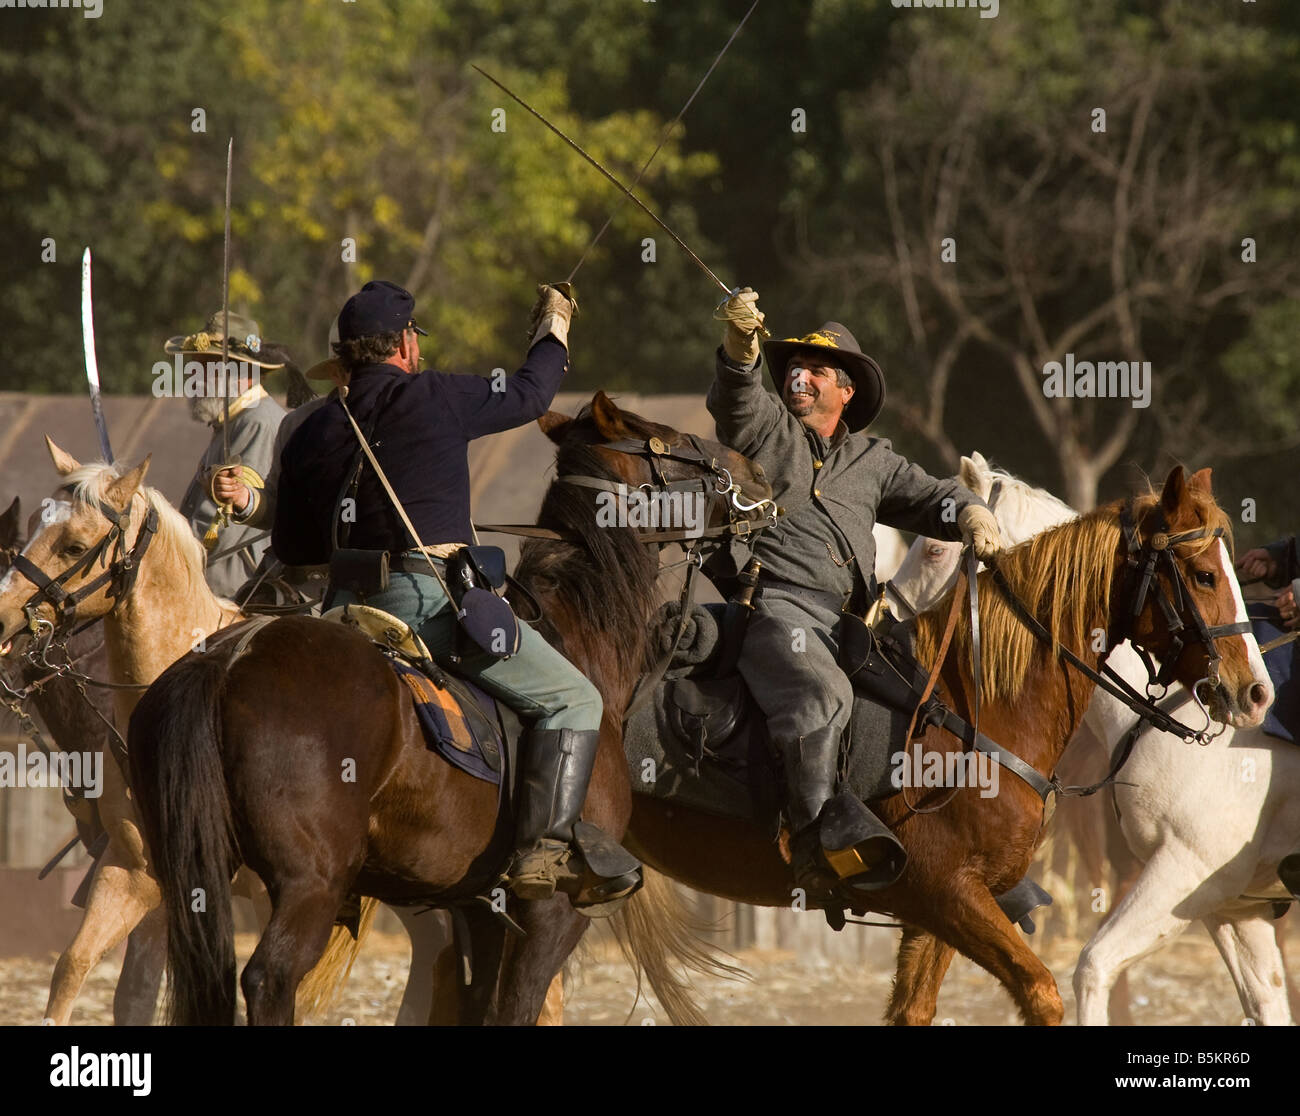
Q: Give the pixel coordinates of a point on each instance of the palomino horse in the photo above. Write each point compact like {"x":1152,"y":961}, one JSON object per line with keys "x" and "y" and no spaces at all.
{"x":1208,"y":826}
{"x":118,"y":551}
{"x":1072,"y":579}
{"x":76,"y":721}
{"x":233,"y":749}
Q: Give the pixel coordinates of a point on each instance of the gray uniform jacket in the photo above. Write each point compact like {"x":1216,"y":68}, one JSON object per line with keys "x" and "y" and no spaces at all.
{"x":252,"y":439}
{"x":833,"y":490}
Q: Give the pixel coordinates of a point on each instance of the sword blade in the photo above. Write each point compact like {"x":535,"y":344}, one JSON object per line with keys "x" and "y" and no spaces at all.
{"x":92,"y":365}
{"x":225,"y":314}
{"x":590,"y":159}
{"x":664,"y":138}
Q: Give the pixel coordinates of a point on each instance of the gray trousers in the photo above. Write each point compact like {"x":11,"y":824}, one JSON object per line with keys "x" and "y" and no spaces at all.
{"x":790,"y":662}
{"x":538,"y":683}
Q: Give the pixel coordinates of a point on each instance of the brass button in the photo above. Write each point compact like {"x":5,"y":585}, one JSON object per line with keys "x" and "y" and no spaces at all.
{"x":817,"y":492}
{"x":818,"y":464}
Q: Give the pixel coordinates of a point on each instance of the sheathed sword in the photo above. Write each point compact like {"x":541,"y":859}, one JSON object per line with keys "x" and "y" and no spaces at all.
{"x":92,"y":365}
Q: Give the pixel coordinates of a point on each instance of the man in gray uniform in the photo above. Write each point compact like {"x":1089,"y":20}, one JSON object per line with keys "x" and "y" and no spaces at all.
{"x":834,"y":482}
{"x":254,"y":419}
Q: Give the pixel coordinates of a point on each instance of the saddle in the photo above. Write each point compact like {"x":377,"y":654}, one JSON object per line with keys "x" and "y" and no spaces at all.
{"x":461,"y":722}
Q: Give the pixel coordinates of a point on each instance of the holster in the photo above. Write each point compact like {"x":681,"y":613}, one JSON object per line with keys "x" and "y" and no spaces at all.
{"x":483,"y":567}
{"x":476,"y":579}
{"x":363,"y":572}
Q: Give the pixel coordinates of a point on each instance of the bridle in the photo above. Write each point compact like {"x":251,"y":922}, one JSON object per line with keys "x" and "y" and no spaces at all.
{"x":1143,"y":561}
{"x":717,"y":483}
{"x":120,"y":569}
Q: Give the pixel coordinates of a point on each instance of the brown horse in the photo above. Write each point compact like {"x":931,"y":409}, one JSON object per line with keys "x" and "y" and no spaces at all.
{"x":1073,"y":579}
{"x":297,"y":753}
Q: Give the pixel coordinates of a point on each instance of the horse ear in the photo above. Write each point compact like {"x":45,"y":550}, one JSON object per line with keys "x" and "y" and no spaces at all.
{"x":555,"y":426}
{"x":608,"y":418}
{"x":119,"y":493}
{"x":1175,"y":490}
{"x":9,"y":522}
{"x":64,"y":463}
{"x":972,"y":476}
{"x":1200,"y":480}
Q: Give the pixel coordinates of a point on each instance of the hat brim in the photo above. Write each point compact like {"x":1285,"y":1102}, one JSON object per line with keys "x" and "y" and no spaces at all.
{"x":868,"y":380}
{"x":175,"y":345}
{"x":329,"y":369}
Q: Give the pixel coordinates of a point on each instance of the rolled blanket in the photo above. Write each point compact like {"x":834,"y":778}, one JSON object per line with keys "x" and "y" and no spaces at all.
{"x":699,"y":640}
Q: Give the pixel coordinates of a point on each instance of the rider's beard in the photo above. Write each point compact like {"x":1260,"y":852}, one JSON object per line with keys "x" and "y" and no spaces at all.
{"x":207,"y":409}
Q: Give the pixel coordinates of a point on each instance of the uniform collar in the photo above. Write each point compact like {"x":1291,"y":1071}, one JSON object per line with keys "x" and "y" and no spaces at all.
{"x":250,"y":398}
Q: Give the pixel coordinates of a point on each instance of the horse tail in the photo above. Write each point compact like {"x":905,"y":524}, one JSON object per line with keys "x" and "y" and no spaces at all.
{"x":321,"y":986}
{"x":179,"y":784}
{"x":654,"y":930}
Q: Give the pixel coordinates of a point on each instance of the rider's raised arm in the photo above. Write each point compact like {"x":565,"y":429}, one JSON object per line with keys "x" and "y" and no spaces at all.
{"x":912,"y":500}
{"x":746,"y":413}
{"x":487,"y":405}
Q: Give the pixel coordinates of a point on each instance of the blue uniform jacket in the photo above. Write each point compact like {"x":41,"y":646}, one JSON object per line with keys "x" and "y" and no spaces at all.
{"x":421,"y":440}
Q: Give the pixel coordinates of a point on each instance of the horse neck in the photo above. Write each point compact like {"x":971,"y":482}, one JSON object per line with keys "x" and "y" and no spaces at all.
{"x":167,"y":611}
{"x":607,"y":644}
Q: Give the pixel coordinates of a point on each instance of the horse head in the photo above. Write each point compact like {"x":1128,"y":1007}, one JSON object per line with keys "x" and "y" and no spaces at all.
{"x":1179,"y":599}
{"x":713,"y":488}
{"x":78,"y":559}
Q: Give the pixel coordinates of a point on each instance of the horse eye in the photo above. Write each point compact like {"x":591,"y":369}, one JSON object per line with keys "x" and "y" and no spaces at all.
{"x":1205,"y":579}
{"x":74,"y":550}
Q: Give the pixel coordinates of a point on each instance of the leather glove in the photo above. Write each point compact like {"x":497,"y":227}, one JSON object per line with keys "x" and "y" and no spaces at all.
{"x":552,"y":312}
{"x":744,"y":320}
{"x":979,"y":530}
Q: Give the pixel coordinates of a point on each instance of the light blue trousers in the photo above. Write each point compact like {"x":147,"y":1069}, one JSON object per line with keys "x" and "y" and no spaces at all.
{"x":538,"y":683}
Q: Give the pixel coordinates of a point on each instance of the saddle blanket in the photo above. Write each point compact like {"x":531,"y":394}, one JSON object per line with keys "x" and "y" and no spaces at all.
{"x":464,"y":734}
{"x":1283,"y":717}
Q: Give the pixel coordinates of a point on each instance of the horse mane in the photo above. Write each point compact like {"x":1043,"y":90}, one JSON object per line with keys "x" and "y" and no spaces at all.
{"x":613,"y":559}
{"x":1064,"y":577}
{"x":174,"y":540}
{"x":1019,"y":496}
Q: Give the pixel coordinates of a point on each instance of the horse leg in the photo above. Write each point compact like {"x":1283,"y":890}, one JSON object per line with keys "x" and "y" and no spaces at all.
{"x":136,"y":995}
{"x":119,"y":898}
{"x":923,"y":961}
{"x":971,"y":919}
{"x":553,"y":929}
{"x":302,"y":917}
{"x":1249,"y":949}
{"x":430,"y":935}
{"x":1143,"y":921}
{"x":552,"y":1014}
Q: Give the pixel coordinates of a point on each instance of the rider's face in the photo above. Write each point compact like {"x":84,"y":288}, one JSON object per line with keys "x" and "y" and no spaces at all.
{"x":812,"y":392}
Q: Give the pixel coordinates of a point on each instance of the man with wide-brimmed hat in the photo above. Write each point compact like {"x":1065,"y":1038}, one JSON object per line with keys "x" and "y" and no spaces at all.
{"x":253,"y":420}
{"x":834,"y":482}
{"x":332,"y":501}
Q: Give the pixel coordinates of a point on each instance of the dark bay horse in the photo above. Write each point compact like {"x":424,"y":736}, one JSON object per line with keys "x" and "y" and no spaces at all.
{"x":299,"y":754}
{"x":1074,"y":579}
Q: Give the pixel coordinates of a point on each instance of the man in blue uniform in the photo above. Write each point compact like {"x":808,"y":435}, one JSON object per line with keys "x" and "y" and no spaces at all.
{"x":420,"y":425}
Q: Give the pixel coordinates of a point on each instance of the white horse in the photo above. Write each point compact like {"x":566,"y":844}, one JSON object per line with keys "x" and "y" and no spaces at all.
{"x":1209,"y":823}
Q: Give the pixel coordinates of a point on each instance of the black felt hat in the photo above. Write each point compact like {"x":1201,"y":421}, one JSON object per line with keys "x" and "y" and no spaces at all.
{"x":834,"y":344}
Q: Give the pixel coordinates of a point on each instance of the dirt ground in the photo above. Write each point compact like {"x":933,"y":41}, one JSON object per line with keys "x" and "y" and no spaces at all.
{"x":1184,"y":984}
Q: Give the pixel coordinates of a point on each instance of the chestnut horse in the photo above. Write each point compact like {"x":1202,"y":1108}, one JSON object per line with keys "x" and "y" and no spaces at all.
{"x":298,"y":753}
{"x":1074,"y":579}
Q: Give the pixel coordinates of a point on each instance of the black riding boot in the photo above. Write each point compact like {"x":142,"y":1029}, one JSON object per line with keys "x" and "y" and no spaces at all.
{"x":556,"y":770}
{"x":810,"y":769}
